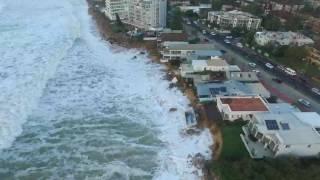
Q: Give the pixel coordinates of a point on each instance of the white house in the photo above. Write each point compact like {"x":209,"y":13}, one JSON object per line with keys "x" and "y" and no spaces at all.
{"x":283,"y":134}
{"x":282,"y":38}
{"x":181,"y":51}
{"x":240,"y":107}
{"x":211,"y":91}
{"x":214,"y":64}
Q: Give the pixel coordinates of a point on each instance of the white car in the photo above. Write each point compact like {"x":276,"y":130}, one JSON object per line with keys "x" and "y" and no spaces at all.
{"x":290,"y":71}
{"x":227,"y":41}
{"x":229,"y":37}
{"x":239,"y":45}
{"x":253,"y":65}
{"x":316,"y":91}
{"x":204,"y":32}
{"x":304,"y":102}
{"x":213,"y":34}
{"x":256,"y":71}
{"x":270,"y":66}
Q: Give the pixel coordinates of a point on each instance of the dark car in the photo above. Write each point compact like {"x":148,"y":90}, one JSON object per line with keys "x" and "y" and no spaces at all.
{"x":277,"y":80}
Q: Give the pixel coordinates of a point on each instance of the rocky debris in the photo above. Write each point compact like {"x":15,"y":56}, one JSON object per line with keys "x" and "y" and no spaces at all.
{"x":173,"y":109}
{"x":198,"y":161}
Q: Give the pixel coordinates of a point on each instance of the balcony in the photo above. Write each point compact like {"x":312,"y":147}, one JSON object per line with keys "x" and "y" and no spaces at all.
{"x":256,"y":149}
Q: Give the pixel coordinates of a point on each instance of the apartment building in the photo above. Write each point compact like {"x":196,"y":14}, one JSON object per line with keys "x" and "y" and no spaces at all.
{"x":282,"y":38}
{"x":114,"y":7}
{"x":313,"y":56}
{"x":233,"y":19}
{"x":144,"y":14}
{"x":283,"y":134}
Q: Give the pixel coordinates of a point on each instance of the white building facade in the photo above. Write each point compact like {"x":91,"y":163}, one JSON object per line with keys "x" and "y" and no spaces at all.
{"x":144,"y":14}
{"x":283,"y":134}
{"x":282,"y":38}
{"x":233,"y":19}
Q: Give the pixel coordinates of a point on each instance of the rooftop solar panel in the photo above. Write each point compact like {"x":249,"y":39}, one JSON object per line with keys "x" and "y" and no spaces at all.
{"x":285,"y":126}
{"x":223,"y":89}
{"x":272,"y":125}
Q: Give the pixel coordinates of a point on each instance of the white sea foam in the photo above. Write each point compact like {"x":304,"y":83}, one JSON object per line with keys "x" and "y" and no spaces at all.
{"x":54,"y":68}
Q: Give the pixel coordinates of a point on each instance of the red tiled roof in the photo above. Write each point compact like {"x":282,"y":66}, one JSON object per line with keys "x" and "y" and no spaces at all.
{"x":245,"y":104}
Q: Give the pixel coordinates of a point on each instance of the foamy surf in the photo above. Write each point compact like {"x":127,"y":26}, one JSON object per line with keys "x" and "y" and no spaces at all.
{"x":85,"y":111}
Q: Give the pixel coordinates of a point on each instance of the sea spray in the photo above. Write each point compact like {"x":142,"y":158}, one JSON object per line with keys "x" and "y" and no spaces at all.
{"x":91,"y":113}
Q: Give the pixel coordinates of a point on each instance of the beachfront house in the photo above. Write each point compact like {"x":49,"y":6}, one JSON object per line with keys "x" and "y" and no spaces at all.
{"x":215,"y":64}
{"x":240,"y":107}
{"x":210,"y":91}
{"x":283,"y":134}
{"x":183,"y":51}
{"x":247,"y":77}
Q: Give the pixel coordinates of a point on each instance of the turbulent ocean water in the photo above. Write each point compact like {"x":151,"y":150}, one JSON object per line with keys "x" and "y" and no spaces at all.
{"x":72,"y":108}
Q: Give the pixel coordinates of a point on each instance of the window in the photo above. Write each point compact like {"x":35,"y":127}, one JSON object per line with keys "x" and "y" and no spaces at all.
{"x":288,"y":146}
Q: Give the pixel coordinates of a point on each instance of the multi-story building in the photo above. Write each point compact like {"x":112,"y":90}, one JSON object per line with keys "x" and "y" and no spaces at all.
{"x":233,"y":19}
{"x":114,"y":7}
{"x":182,"y":51}
{"x":282,"y":38}
{"x":144,"y":14}
{"x":283,"y":134}
{"x":313,"y":56}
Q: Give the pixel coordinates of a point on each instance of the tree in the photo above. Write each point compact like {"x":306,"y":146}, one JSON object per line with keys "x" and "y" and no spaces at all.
{"x":271,"y":23}
{"x":191,"y":14}
{"x":175,"y":22}
{"x":216,"y":5}
{"x":254,"y":8}
{"x":294,"y":23}
{"x":118,"y":20}
{"x":296,"y":53}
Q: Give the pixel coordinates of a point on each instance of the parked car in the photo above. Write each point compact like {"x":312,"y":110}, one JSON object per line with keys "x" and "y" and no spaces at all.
{"x":206,"y":40}
{"x":277,"y":80}
{"x":253,"y":65}
{"x":304,"y":103}
{"x":256,"y":71}
{"x":227,"y":41}
{"x":229,"y":37}
{"x":213,"y":34}
{"x":290,"y":71}
{"x":204,"y":32}
{"x":239,"y":45}
{"x":270,"y":66}
{"x":316,"y":91}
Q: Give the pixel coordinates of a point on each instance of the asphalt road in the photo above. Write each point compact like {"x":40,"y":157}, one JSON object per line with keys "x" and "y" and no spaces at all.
{"x":290,"y":90}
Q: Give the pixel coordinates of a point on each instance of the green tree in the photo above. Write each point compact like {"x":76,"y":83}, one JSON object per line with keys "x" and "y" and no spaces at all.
{"x":294,"y":23}
{"x":191,"y":14}
{"x":175,"y":22}
{"x":254,"y":8}
{"x":118,"y":20}
{"x":295,"y":53}
{"x":271,"y":23}
{"x":217,"y":5}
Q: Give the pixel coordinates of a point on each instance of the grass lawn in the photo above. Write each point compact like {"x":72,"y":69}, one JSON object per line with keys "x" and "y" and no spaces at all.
{"x":233,"y":147}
